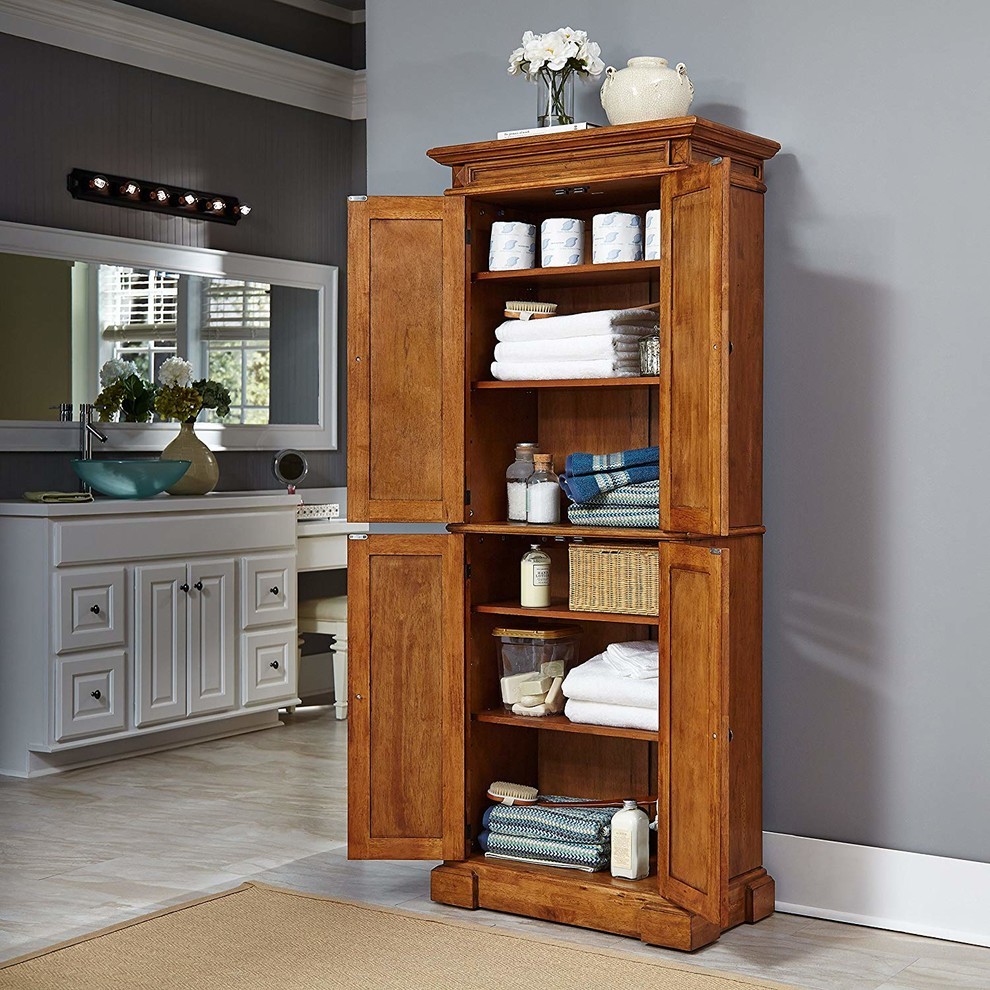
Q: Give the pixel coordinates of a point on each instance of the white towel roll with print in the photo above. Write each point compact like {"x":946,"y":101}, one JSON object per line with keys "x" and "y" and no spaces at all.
{"x":616,"y":237}
{"x":562,"y":242}
{"x":513,"y":246}
{"x":651,"y":249}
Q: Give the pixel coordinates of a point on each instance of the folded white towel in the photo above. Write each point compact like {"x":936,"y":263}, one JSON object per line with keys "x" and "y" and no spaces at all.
{"x":618,"y":716}
{"x":640,"y":322}
{"x":640,"y":659}
{"x":516,"y":371}
{"x":598,"y":347}
{"x":596,"y":681}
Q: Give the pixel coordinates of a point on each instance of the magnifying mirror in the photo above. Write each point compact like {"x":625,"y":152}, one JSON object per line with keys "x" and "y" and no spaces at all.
{"x":290,"y":467}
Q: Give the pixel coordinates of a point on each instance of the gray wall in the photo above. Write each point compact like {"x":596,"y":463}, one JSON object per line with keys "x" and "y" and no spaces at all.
{"x":877,"y":351}
{"x":295,"y":167}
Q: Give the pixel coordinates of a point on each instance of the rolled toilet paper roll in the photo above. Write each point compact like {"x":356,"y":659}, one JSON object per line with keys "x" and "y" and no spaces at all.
{"x":651,"y":246}
{"x":513,"y":245}
{"x":561,"y":242}
{"x":616,"y":237}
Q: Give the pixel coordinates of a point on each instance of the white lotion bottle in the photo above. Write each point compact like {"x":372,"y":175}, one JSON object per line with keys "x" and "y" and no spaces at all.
{"x":534,"y":583}
{"x":630,"y":842}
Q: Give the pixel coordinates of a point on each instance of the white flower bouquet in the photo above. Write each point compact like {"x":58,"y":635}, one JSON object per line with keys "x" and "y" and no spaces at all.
{"x":552,"y":60}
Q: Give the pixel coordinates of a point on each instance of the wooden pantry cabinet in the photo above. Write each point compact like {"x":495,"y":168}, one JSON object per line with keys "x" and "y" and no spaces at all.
{"x":430,"y":436}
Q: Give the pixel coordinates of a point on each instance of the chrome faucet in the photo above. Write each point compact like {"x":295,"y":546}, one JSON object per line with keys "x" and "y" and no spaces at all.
{"x":87,"y":431}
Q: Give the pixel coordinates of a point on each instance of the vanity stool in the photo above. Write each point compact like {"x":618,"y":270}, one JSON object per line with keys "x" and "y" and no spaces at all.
{"x":329,"y":617}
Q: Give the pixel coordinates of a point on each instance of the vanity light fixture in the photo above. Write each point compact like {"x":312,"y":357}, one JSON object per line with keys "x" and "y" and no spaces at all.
{"x":139,"y":194}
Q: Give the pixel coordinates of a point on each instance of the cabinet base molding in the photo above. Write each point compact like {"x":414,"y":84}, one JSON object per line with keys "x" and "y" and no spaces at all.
{"x":41,"y":764}
{"x":595,"y":900}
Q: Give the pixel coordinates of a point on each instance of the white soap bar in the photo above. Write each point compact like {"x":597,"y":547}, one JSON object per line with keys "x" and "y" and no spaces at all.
{"x":555,"y":697}
{"x":536,"y":685}
{"x":535,"y":710}
{"x":512,"y":687}
{"x":552,"y":668}
{"x":531,"y":700}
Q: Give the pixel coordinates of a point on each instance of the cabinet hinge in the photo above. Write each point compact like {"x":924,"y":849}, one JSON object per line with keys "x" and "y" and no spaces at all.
{"x":716,"y":161}
{"x":467,"y":496}
{"x":716,"y":551}
{"x":357,"y":199}
{"x":357,"y":536}
{"x":467,"y":831}
{"x":467,"y":235}
{"x":467,"y":570}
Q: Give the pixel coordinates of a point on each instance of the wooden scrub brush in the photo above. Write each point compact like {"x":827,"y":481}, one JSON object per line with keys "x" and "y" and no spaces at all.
{"x":526,"y":309}
{"x":503,"y":792}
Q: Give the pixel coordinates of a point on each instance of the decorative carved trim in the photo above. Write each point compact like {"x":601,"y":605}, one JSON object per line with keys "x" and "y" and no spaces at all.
{"x":120,"y":33}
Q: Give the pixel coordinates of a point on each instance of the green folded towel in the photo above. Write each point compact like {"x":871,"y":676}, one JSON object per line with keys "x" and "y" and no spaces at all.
{"x":59,"y":496}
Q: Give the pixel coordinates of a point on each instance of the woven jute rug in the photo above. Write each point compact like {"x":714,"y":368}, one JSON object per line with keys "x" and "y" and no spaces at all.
{"x":263,"y":938}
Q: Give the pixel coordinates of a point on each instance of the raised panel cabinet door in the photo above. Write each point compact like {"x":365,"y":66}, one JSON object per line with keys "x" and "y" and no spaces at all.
{"x":694,"y":348}
{"x":212,"y":636}
{"x":693,"y":764}
{"x":406,"y":717}
{"x":405,"y":337}
{"x":160,"y":615}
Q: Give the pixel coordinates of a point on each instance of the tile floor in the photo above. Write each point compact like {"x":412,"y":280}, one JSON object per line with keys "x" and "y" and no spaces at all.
{"x":94,"y":847}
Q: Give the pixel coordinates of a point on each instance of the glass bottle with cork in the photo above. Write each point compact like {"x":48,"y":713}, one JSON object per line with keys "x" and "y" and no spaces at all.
{"x":542,"y":492}
{"x":515,"y":480}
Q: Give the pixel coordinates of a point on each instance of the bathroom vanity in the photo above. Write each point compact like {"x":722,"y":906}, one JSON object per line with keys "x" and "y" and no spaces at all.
{"x":129,"y":626}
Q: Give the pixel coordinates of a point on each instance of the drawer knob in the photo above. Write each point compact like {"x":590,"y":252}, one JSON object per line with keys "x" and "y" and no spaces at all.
{"x":274,"y":590}
{"x":274,"y":664}
{"x":95,"y":609}
{"x":198,"y":585}
{"x":96,"y":694}
{"x":184,"y":587}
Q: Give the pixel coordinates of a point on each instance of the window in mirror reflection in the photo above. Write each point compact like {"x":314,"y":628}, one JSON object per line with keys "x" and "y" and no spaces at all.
{"x":221,"y":325}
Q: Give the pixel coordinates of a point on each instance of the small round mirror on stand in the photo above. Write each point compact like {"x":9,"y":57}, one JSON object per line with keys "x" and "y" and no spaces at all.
{"x":290,"y":467}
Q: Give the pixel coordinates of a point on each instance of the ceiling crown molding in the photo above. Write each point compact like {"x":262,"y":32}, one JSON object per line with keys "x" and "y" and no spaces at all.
{"x":325,"y":9}
{"x":120,"y":33}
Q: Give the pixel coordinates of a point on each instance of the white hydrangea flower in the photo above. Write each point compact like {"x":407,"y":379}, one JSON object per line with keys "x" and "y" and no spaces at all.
{"x":516,"y":60}
{"x":590,"y":54}
{"x":553,"y":51}
{"x":175,"y":371}
{"x":115,"y":369}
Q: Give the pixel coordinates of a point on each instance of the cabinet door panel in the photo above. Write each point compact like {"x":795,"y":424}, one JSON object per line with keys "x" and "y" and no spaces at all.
{"x":693,"y":838}
{"x":406,"y":713}
{"x":211,"y":636}
{"x":405,"y":331}
{"x":694,"y":344}
{"x":160,"y":634}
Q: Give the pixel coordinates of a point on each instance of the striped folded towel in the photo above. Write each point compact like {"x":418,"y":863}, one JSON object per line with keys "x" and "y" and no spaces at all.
{"x":632,"y":517}
{"x":583,"y":488}
{"x":596,"y":463}
{"x":590,"y":857}
{"x":589,"y":825}
{"x":645,"y":495}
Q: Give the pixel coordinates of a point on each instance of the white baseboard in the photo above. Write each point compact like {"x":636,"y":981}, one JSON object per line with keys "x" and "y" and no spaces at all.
{"x":880,"y":888}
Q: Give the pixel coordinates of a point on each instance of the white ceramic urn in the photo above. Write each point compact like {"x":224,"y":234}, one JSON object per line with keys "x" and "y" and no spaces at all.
{"x":647,"y":89}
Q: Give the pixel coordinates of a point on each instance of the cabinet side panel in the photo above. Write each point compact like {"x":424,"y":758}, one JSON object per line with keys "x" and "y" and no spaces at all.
{"x":746,"y":357}
{"x":745,"y":706}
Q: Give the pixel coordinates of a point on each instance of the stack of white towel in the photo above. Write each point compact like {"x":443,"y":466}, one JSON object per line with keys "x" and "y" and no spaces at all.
{"x":619,"y":687}
{"x":603,"y":344}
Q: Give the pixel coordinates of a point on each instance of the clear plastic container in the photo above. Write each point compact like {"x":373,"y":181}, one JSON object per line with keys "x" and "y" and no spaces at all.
{"x":534,"y":655}
{"x":515,"y":479}
{"x":542,"y":492}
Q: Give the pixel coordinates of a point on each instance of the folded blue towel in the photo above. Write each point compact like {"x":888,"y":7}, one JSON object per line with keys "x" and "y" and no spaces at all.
{"x":590,"y":825}
{"x":590,"y":857}
{"x":633,"y":517}
{"x":645,"y":495}
{"x":585,"y":487}
{"x":577,"y":464}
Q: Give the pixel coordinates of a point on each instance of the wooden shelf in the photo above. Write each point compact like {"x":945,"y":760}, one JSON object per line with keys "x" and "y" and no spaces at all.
{"x":560,"y":723}
{"x":575,"y":879}
{"x":572,"y":382}
{"x":560,"y":610}
{"x":570,"y":531}
{"x":603,"y":274}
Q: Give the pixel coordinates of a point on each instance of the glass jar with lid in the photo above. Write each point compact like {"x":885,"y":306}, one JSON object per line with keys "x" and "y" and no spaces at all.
{"x":542,"y":492}
{"x":515,"y":479}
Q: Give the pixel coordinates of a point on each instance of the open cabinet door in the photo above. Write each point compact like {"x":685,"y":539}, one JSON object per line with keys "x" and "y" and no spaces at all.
{"x":694,"y":343}
{"x":405,"y":733}
{"x":405,"y":341}
{"x":693,"y":829}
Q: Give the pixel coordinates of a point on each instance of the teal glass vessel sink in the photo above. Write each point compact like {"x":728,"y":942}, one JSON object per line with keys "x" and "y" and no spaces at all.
{"x":140,"y":477}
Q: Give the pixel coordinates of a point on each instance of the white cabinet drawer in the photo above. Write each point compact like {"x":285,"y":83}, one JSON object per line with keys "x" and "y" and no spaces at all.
{"x":89,"y":694}
{"x":90,"y":609}
{"x":268,"y":589}
{"x":269,"y":665}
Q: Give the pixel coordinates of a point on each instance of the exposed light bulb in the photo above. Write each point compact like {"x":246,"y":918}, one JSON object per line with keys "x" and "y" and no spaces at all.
{"x":187,"y":199}
{"x":217,"y":206}
{"x":130,"y":189}
{"x":244,"y":209}
{"x":159,"y":195}
{"x":99,"y":183}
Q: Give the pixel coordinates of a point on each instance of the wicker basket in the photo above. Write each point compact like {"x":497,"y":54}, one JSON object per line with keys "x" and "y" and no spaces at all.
{"x":614,"y":578}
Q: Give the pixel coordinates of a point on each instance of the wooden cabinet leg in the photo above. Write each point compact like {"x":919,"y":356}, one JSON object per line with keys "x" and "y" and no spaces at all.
{"x":454,"y":884}
{"x":675,"y":929}
{"x":760,"y":899}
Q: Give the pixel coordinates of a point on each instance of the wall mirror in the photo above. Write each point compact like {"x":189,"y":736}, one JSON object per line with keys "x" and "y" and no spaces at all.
{"x":266,"y":328}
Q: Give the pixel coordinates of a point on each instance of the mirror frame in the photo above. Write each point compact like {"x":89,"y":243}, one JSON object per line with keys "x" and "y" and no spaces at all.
{"x":76,"y":245}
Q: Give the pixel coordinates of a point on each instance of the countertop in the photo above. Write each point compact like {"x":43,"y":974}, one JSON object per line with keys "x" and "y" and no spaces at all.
{"x":158,"y":504}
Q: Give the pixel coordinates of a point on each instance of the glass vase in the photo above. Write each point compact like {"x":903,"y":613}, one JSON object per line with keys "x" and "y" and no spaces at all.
{"x":554,"y":97}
